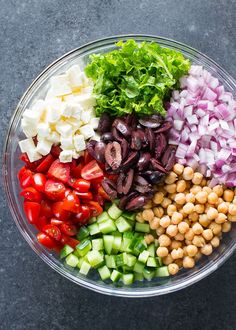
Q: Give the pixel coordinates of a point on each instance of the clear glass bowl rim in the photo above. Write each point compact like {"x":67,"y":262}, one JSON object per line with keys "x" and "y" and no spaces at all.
{"x":124,"y":291}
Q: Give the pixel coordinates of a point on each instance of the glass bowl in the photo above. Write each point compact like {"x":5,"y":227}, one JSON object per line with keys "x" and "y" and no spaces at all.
{"x":11,"y":165}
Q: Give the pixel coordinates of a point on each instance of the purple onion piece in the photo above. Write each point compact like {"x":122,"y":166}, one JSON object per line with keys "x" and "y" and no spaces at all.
{"x":110,"y":188}
{"x":143,"y":161}
{"x":113,"y":155}
{"x":122,"y":127}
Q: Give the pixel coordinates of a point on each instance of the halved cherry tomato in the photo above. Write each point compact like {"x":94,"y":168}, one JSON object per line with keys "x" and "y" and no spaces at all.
{"x":76,"y":171}
{"x":84,"y":195}
{"x":97,"y":198}
{"x":83,"y":215}
{"x":79,"y":184}
{"x":71,"y":202}
{"x":55,"y":190}
{"x":30,"y":165}
{"x":69,"y":241}
{"x":56,"y":222}
{"x":95,"y":208}
{"x":31,"y":194}
{"x":60,"y":171}
{"x":32,"y":211}
{"x":59,"y":212}
{"x":21,"y":172}
{"x":46,"y":209}
{"x":39,"y":181}
{"x":68,"y":229}
{"x":26,"y":178}
{"x":41,"y":222}
{"x":45,"y":240}
{"x":52,"y":231}
{"x":67,"y":191}
{"x":91,"y":171}
{"x":103,"y":194}
{"x":87,"y":157}
{"x":45,"y":164}
{"x":55,"y":151}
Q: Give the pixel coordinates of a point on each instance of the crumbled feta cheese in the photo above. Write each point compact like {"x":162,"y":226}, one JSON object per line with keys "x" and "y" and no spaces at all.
{"x":63,"y":128}
{"x":27,"y":145}
{"x":67,"y":142}
{"x":75,"y":109}
{"x":54,"y":137}
{"x":87,"y":115}
{"x":79,"y":142}
{"x":76,"y":77}
{"x":60,"y":85}
{"x":29,"y":129}
{"x":66,"y":156}
{"x":87,"y":131}
{"x":43,"y":130}
{"x":33,"y":155}
{"x":44,"y":147}
{"x":94,"y":122}
{"x":96,"y":137}
{"x":31,"y":116}
{"x":75,"y":154}
{"x":86,"y":100}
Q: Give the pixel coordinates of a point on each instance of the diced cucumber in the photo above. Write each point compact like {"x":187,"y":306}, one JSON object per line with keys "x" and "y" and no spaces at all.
{"x":116,"y":245}
{"x":128,"y":234}
{"x":142,"y":227}
{"x":110,"y":261}
{"x":114,"y":212}
{"x":126,"y":269}
{"x":138,"y":276}
{"x":123,"y":225}
{"x":160,"y":262}
{"x":92,"y":220}
{"x":140,"y":235}
{"x":139,"y":247}
{"x":156,"y":243}
{"x":115,"y":275}
{"x":95,"y":258}
{"x":127,"y":279}
{"x":152,"y":250}
{"x":83,"y":247}
{"x":85,"y":267}
{"x":97,"y":244}
{"x":130,"y":260}
{"x":93,"y":229}
{"x":129,"y":215}
{"x":79,"y":264}
{"x":104,"y":272}
{"x":152,"y":262}
{"x":107,"y":226}
{"x":143,"y":257}
{"x":138,"y":267}
{"x":65,"y":251}
{"x":162,"y":272}
{"x":134,"y":241}
{"x":72,"y":260}
{"x":119,"y":260}
{"x":108,"y":243}
{"x":103,"y":217}
{"x":116,"y":233}
{"x":83,"y":233}
{"x":148,"y":273}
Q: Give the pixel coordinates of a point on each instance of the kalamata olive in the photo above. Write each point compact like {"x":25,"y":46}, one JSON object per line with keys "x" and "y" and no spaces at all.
{"x":104,"y":124}
{"x":143,"y":161}
{"x":164,"y":128}
{"x":154,"y":177}
{"x":113,"y":155}
{"x":131,"y":160}
{"x":107,"y":137}
{"x":125,"y":199}
{"x":100,"y":151}
{"x":124,"y":182}
{"x":143,"y":137}
{"x":160,"y":146}
{"x":157,"y":166}
{"x":131,"y":121}
{"x":141,"y":181}
{"x":116,"y":135}
{"x":136,"y":140}
{"x":109,"y":187}
{"x":90,"y":146}
{"x":124,"y":148}
{"x":122,"y":127}
{"x":168,"y":159}
{"x":136,"y":203}
{"x":153,"y":121}
{"x":143,"y":189}
{"x":151,"y":139}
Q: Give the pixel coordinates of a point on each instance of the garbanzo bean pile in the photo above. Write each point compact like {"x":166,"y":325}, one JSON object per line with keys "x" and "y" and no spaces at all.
{"x":188,"y":216}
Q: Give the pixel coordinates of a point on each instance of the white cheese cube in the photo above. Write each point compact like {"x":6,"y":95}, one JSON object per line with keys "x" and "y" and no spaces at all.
{"x":87,"y":131}
{"x":75,"y":154}
{"x":39,"y":107}
{"x":44,"y":147}
{"x":31,"y":116}
{"x":53,"y":115}
{"x":27,"y":145}
{"x":29,"y":129}
{"x":96,"y":137}
{"x":67,"y":142}
{"x":33,"y":155}
{"x":64,"y":129}
{"x":87,"y":115}
{"x":76,"y":77}
{"x":44,"y":130}
{"x":74,"y":109}
{"x":86,"y":100}
{"x":69,"y":97}
{"x":54,"y":137}
{"x":60,"y":85}
{"x":66,"y":156}
{"x":88,"y":89}
{"x":79,"y":142}
{"x":94,"y":122}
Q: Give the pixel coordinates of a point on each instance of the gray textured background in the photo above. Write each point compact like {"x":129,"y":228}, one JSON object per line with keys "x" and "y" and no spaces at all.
{"x":33,"y":34}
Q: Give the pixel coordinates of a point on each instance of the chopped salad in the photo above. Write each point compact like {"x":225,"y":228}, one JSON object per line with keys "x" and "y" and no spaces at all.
{"x":129,"y":164}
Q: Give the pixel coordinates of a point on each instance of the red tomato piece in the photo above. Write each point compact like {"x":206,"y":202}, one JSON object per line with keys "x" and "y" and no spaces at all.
{"x":46,"y":209}
{"x":52,"y":231}
{"x":103,"y":194}
{"x":41,"y":222}
{"x":55,"y":190}
{"x":46,"y":240}
{"x":91,"y":171}
{"x":60,"y":171}
{"x":26,"y":178}
{"x":32,"y":211}
{"x":95,"y":208}
{"x":71,"y":202}
{"x":76,"y":171}
{"x":59,"y":212}
{"x":79,"y":184}
{"x":87,"y":157}
{"x":68,"y":229}
{"x":21,"y":172}
{"x":83,"y":215}
{"x":67,"y":191}
{"x":69,"y":241}
{"x":84,"y":195}
{"x":55,"y":151}
{"x":98,"y":199}
{"x":56,"y":222}
{"x":31,"y":194}
{"x":45,"y":164}
{"x":39,"y":181}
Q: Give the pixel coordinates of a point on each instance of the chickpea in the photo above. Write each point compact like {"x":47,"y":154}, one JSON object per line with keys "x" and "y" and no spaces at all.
{"x":189,"y":235}
{"x":221,"y":218}
{"x":197,"y":229}
{"x":198,"y":256}
{"x":188,"y":208}
{"x":160,"y":231}
{"x":166,"y":202}
{"x":207,"y":234}
{"x":212,"y":198}
{"x":232,"y":218}
{"x":228,"y":195}
{"x":172,"y":230}
{"x":183,"y":227}
{"x":204,"y":221}
{"x":234,"y":201}
{"x":218,"y":190}
{"x":181,"y":211}
{"x":177,"y":253}
{"x":148,"y":205}
{"x":206,"y":249}
{"x":232,"y":209}
{"x":139,"y":217}
{"x":199,"y":208}
{"x":201,"y":197}
{"x":197,"y":178}
{"x":173,"y":269}
{"x":172,"y":196}
{"x":165,"y":221}
{"x":167,"y":260}
{"x":226,"y":227}
{"x":190,"y":198}
{"x":215,"y":242}
{"x":178,"y":169}
{"x":148,"y":215}
{"x":164,"y":241}
{"x":149,"y":239}
{"x":175,"y":245}
{"x":170,"y":188}
{"x":215,"y":227}
{"x":212,"y":213}
{"x":198,"y":241}
{"x":207,"y":190}
{"x":176,"y":218}
{"x":188,"y":262}
{"x":171,"y":178}
{"x":188,"y":173}
{"x":193,"y":217}
{"x":191,"y":250}
{"x":195,"y":189}
{"x":180,"y":198}
{"x":171,"y":209}
{"x":155,"y":223}
{"x":179,"y":237}
{"x":204,"y":182}
{"x":222,"y":208}
{"x":158,"y":211}
{"x":187,"y":242}
{"x":181,"y":186}
{"x":158,"y":197}
{"x":162,"y":252}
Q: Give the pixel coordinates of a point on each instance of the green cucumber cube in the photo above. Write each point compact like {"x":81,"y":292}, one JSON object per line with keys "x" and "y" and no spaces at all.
{"x":110,"y":261}
{"x":108,"y":243}
{"x":95,"y":258}
{"x":117,"y":243}
{"x":130,"y":260}
{"x":97,"y":244}
{"x":103,"y":217}
{"x":162,"y":272}
{"x":85,"y":267}
{"x":138,"y":267}
{"x":115,"y":275}
{"x":92,"y":220}
{"x":139,"y":247}
{"x":107,"y":226}
{"x":143,"y":257}
{"x":142,"y":227}
{"x":160,"y":262}
{"x":123,"y":225}
{"x":129,"y":215}
{"x":83,"y":247}
{"x":127,"y":279}
{"x":83,"y":233}
{"x":152,"y":262}
{"x":152,"y":250}
{"x":93,"y":229}
{"x":104,"y":272}
{"x":114,"y":212}
{"x":65,"y":251}
{"x":72,"y":260}
{"x":148,"y":274}
{"x":138,"y":277}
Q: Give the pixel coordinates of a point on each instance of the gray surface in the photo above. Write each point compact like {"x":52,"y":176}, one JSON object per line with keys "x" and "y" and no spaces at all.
{"x":34,"y":33}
